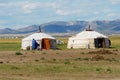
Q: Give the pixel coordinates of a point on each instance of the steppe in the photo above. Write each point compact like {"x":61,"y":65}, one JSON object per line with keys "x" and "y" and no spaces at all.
{"x":61,"y":64}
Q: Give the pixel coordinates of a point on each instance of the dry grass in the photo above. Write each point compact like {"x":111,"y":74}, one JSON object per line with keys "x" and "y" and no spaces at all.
{"x":18,"y":40}
{"x":58,"y":65}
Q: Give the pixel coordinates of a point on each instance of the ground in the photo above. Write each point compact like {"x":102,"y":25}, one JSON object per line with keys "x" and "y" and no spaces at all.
{"x":63,"y":64}
{"x":73,"y":64}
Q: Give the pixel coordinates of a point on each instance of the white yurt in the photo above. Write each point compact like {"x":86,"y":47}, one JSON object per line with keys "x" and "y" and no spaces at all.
{"x":44,"y":40}
{"x":88,"y":39}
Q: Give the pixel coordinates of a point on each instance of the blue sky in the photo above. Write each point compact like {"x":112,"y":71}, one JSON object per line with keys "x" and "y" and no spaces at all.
{"x":21,"y":13}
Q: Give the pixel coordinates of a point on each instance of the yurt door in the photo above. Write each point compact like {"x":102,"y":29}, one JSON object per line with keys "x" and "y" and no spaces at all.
{"x":100,"y":43}
{"x":45,"y":43}
{"x":96,"y":43}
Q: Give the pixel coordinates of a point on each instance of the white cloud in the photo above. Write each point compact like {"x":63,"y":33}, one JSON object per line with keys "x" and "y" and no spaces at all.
{"x":28,"y":7}
{"x":112,"y":15}
{"x":61,"y":12}
{"x":67,"y":12}
{"x":2,"y":22}
{"x":2,"y":5}
{"x":115,"y":1}
{"x":10,"y":4}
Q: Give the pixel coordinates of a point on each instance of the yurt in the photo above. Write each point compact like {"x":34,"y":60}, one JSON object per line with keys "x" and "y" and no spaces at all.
{"x":44,"y":40}
{"x":88,"y":39}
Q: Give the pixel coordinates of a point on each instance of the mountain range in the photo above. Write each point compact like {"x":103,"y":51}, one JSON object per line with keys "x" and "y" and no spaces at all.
{"x":109,"y":27}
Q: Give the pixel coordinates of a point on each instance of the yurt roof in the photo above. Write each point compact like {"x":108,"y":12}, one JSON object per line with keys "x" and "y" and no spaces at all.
{"x":38,"y":36}
{"x":89,"y":34}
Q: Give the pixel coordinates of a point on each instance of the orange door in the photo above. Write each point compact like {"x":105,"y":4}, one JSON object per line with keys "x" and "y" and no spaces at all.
{"x":45,"y":43}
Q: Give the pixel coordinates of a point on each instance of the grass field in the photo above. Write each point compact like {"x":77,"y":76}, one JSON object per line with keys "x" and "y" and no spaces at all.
{"x":63,"y":64}
{"x":10,"y":44}
{"x":15,"y":44}
{"x":115,"y":40}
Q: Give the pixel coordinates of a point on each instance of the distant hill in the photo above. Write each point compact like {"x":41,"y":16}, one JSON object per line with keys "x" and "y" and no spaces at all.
{"x":109,"y":27}
{"x":29,"y":29}
{"x":63,"y":27}
{"x":8,"y":31}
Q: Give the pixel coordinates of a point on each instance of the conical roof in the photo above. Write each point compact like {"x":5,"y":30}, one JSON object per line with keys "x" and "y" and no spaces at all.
{"x":38,"y":36}
{"x":89,"y":34}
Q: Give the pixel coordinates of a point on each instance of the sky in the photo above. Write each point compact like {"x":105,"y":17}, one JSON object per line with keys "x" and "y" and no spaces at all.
{"x":22,"y":13}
